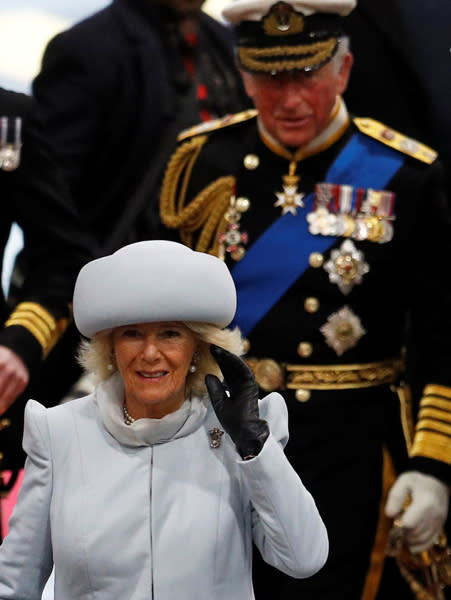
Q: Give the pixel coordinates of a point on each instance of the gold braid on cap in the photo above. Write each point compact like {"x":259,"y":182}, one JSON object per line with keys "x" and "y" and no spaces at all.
{"x":206,"y":211}
{"x":292,"y":57}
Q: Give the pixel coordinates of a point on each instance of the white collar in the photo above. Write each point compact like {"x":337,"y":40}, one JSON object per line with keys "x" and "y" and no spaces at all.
{"x":109,"y":397}
{"x":339,"y":121}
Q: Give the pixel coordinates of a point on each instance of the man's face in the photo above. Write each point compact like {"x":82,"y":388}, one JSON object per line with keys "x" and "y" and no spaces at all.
{"x":295,"y":106}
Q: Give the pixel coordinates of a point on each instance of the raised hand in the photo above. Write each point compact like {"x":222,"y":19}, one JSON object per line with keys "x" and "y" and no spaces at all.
{"x":235,"y":401}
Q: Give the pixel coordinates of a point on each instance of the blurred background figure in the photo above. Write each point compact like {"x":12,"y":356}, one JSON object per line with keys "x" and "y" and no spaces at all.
{"x":34,"y":196}
{"x":402,"y":66}
{"x":112,"y":94}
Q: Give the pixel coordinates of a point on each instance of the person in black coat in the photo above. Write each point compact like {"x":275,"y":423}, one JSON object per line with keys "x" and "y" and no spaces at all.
{"x":335,"y":229}
{"x":113,"y":92}
{"x":35,"y":197}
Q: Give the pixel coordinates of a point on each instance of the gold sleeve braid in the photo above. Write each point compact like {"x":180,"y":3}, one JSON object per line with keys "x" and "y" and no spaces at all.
{"x":205,"y":213}
{"x":40,"y":323}
{"x":433,"y":430}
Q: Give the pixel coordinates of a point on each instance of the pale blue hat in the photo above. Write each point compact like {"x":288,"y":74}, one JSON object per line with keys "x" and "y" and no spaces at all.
{"x":153,"y":281}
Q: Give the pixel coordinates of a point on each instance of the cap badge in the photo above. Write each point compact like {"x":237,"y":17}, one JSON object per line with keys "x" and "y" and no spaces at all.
{"x":282,"y":19}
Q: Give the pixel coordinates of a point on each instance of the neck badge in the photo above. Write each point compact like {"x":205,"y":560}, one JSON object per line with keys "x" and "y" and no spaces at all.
{"x":290,"y":199}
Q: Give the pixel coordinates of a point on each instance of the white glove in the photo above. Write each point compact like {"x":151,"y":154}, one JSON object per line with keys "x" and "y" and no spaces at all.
{"x":427,"y":511}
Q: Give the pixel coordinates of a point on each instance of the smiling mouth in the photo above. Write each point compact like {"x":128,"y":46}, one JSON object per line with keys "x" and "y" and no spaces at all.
{"x":156,"y":375}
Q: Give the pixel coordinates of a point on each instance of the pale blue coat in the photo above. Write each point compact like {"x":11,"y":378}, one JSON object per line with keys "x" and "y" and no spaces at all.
{"x":170,"y":522}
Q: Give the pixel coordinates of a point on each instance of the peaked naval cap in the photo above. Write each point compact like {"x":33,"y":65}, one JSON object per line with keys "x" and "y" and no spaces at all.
{"x":283,"y":36}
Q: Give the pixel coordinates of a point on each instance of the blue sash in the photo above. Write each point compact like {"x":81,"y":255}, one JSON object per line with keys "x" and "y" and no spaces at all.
{"x":281,"y":254}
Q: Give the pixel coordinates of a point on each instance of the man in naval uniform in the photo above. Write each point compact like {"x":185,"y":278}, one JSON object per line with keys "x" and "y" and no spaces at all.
{"x":335,"y":230}
{"x":34,"y":196}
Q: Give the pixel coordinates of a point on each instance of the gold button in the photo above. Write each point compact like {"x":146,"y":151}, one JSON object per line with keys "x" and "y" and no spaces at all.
{"x":305,"y":349}
{"x":4,"y":423}
{"x":311,"y":305}
{"x":251,"y":161}
{"x":316,"y":260}
{"x":242,"y":204}
{"x":303,"y":395}
{"x":268,"y":374}
{"x":246,"y":345}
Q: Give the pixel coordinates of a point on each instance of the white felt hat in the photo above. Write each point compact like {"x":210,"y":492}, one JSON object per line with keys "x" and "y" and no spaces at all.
{"x":153,"y":281}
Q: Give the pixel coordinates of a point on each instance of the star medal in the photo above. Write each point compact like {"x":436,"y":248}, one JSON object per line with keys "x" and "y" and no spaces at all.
{"x":342,"y":330}
{"x":290,"y":199}
{"x":346,"y":266}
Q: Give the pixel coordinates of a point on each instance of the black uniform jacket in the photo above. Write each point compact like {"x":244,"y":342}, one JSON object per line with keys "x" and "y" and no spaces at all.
{"x":109,"y":91}
{"x":407,"y":282}
{"x":35,"y":197}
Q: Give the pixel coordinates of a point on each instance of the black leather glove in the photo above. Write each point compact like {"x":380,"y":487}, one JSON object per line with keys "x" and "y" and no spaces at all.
{"x":235,"y":402}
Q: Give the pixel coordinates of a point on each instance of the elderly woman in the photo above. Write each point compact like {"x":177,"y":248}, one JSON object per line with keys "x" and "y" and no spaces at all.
{"x":152,"y":488}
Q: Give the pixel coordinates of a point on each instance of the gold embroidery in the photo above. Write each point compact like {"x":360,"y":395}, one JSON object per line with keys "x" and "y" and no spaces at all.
{"x":432,"y":425}
{"x":296,"y":57}
{"x":437,"y":390}
{"x":396,"y":140}
{"x":40,"y":323}
{"x":433,"y":413}
{"x":331,"y":377}
{"x":214,"y":124}
{"x":432,"y":445}
{"x":206,"y":211}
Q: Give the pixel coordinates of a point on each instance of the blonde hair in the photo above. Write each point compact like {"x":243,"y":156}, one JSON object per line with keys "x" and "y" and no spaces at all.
{"x":97,"y":358}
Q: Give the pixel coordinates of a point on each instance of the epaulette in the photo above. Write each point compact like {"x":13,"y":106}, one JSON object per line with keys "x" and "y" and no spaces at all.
{"x":208,"y":126}
{"x":396,"y":140}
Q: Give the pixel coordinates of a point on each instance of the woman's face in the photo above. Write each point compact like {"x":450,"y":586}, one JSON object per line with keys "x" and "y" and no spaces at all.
{"x":154,"y":360}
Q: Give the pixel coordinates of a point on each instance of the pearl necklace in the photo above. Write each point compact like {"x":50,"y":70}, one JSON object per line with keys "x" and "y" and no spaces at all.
{"x":128,"y":420}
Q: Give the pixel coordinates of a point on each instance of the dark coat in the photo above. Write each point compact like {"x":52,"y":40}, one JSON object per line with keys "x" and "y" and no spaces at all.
{"x":35,"y":197}
{"x":109,"y":90}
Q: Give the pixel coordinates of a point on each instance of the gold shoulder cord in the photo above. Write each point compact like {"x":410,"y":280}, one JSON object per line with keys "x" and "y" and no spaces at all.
{"x":206,"y":211}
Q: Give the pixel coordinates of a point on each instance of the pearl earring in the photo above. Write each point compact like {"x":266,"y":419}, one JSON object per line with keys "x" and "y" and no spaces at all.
{"x":192,"y":368}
